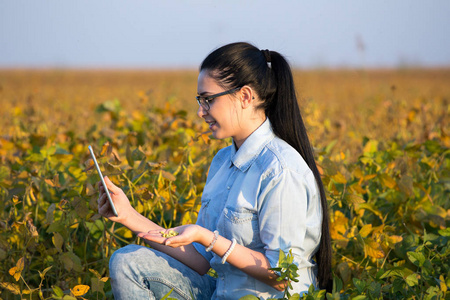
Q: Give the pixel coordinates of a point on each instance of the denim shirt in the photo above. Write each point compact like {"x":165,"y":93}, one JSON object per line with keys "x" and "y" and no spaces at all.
{"x":265,"y":196}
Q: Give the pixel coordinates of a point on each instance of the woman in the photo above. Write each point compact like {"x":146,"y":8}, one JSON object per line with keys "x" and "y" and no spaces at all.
{"x":263,"y":194}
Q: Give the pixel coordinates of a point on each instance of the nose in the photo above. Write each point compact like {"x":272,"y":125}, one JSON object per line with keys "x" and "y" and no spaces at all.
{"x":201,"y":112}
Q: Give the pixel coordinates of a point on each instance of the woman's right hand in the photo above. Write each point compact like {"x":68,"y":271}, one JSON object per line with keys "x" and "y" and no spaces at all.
{"x":120,"y":200}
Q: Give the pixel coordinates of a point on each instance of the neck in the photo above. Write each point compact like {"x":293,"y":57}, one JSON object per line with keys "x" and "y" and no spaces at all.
{"x":239,"y":140}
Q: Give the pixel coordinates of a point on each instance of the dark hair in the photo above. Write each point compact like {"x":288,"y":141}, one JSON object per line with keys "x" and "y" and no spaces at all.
{"x":238,"y":64}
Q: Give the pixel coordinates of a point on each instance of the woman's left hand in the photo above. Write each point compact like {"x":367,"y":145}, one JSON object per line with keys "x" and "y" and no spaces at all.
{"x":187,"y":234}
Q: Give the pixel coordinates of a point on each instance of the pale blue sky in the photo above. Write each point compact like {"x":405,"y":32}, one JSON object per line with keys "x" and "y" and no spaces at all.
{"x":146,"y":34}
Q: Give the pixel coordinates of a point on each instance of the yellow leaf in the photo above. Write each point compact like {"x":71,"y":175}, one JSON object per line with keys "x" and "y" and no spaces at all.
{"x":354,"y":199}
{"x":125,"y":232}
{"x":80,"y":290}
{"x":444,"y":287}
{"x":370,"y":176}
{"x":17,"y":276}
{"x":17,"y":270}
{"x":371,"y":146}
{"x":49,"y":182}
{"x":97,"y":274}
{"x":104,"y":279}
{"x":394,"y":239}
{"x":16,"y":200}
{"x":373,"y":249}
{"x":12,"y":287}
{"x":12,"y":271}
{"x":339,"y":225}
{"x":164,"y":194}
{"x":205,"y":137}
{"x":106,"y":149}
{"x":27,"y":292}
{"x":365,"y":230}
{"x":411,"y":115}
{"x":339,"y":178}
{"x":388,"y":181}
{"x":358,"y":173}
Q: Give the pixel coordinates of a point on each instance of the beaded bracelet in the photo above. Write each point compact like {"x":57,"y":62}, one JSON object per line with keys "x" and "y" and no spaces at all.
{"x":225,"y":256}
{"x":216,"y":236}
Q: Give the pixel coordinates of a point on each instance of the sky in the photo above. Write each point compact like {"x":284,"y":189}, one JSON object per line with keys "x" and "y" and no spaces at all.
{"x":180,"y":33}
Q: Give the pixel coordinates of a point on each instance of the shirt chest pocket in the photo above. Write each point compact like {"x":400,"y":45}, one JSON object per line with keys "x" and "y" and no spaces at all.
{"x":242,"y":224}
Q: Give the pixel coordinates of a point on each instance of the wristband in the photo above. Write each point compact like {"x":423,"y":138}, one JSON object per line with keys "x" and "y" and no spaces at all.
{"x":216,"y":236}
{"x":225,"y":256}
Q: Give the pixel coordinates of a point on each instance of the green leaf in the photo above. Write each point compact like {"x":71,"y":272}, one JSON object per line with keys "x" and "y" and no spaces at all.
{"x":402,"y":272}
{"x":109,"y":106}
{"x":61,"y":151}
{"x":97,"y":285}
{"x":167,"y":295}
{"x":281,"y":256}
{"x":71,"y":261}
{"x":58,"y":291}
{"x":96,"y":228}
{"x":49,"y":213}
{"x":337,"y":285}
{"x":296,"y":296}
{"x":445,"y":232}
{"x":360,"y":285}
{"x":58,"y":241}
{"x":56,"y":227}
{"x":330,"y":146}
{"x":249,"y":297}
{"x":416,"y":258}
{"x":398,"y":285}
{"x":42,"y":275}
{"x":412,"y":280}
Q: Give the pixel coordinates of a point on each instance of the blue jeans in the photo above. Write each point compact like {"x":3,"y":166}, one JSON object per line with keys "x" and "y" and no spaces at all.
{"x":139,"y":272}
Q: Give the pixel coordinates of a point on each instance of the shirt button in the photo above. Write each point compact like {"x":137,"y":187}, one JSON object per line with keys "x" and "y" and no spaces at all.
{"x":228,"y":187}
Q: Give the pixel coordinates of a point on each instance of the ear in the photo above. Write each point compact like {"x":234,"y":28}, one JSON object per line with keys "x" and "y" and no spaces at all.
{"x":247,"y":96}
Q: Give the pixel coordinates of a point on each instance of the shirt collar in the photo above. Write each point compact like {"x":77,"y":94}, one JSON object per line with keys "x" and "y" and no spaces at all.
{"x":252,"y":146}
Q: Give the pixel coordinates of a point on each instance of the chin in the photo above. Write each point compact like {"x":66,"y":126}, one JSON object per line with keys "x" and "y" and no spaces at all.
{"x":218,"y":135}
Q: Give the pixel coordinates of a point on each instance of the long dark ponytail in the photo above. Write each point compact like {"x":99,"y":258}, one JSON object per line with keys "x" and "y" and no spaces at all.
{"x":269,"y":74}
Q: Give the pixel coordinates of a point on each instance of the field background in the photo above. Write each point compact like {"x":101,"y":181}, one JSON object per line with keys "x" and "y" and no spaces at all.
{"x":381,"y":139}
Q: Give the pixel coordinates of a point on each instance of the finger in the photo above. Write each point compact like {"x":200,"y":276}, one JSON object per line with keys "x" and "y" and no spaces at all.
{"x":104,"y":210}
{"x":175,"y":241}
{"x":102,"y":200}
{"x":103,"y":204}
{"x":156,"y":232}
{"x":111,"y":186}
{"x":157,"y":238}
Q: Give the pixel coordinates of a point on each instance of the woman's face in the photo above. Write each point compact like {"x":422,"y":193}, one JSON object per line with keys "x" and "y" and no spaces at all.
{"x":223,"y":116}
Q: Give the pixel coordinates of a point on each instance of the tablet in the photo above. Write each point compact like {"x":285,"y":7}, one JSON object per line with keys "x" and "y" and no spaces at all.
{"x":103,"y":181}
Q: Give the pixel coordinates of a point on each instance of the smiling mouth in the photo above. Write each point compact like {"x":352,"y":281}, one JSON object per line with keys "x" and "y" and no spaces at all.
{"x":211,"y":124}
